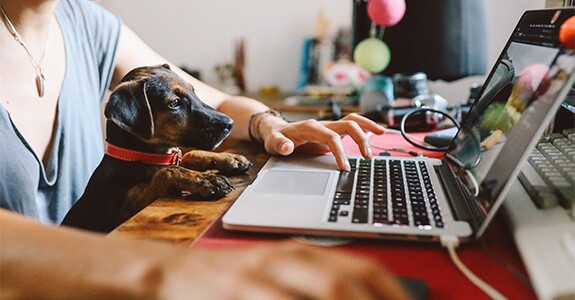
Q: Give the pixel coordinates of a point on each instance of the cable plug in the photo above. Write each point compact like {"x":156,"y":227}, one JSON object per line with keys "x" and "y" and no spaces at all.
{"x":449,"y":241}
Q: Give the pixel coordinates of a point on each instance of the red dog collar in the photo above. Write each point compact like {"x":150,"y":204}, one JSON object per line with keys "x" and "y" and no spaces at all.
{"x":173,"y":156}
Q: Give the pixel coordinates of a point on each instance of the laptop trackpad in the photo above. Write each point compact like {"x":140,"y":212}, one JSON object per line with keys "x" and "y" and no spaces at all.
{"x":292,"y":182}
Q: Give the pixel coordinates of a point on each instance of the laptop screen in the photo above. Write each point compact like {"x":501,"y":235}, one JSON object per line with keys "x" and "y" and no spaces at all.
{"x":504,"y":123}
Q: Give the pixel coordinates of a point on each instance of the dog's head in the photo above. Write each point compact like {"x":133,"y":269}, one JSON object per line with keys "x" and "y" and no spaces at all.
{"x":158,"y":106}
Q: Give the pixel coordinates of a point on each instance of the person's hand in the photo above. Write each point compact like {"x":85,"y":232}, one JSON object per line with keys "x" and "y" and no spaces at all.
{"x":81,"y":265}
{"x":283,"y":138}
{"x":279,"y":271}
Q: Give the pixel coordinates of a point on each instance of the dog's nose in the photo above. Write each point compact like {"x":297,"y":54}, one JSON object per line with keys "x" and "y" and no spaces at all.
{"x":225,"y":125}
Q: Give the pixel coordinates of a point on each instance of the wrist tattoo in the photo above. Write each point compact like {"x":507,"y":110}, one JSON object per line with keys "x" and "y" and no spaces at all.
{"x":255,"y":121}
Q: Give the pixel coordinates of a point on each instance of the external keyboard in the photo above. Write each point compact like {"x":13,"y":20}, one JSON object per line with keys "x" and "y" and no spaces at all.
{"x":540,"y":210}
{"x":549,"y":176}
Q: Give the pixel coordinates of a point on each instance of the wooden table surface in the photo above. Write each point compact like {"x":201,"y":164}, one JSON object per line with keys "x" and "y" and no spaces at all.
{"x":181,"y":220}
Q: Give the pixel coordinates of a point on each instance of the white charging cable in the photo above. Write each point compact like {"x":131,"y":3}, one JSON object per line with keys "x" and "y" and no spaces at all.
{"x":451,"y":243}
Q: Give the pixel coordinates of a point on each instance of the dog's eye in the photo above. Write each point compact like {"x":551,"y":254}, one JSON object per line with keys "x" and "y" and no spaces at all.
{"x":175,"y":103}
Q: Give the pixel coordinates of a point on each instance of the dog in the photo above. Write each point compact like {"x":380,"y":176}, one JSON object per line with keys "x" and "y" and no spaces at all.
{"x":149,"y":113}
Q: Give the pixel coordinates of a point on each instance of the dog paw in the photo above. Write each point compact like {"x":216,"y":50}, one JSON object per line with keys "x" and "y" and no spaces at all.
{"x":225,"y":163}
{"x":213,"y":186}
{"x":232,"y":164}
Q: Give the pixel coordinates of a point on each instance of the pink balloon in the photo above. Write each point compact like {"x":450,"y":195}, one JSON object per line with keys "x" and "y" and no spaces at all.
{"x":534,"y":81}
{"x":386,"y":12}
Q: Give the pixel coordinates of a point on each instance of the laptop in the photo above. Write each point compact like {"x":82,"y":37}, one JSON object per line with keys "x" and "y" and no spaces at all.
{"x":419,"y":198}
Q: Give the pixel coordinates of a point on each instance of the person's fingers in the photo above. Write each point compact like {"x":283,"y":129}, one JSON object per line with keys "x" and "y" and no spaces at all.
{"x":355,"y":126}
{"x":279,"y":271}
{"x":313,"y":131}
{"x":354,"y":130}
{"x":379,"y":278}
{"x":256,"y":286}
{"x":365,"y":271}
{"x":222,"y":275}
{"x":365,"y":123}
{"x":279,"y":144}
{"x":387,"y":284}
{"x":338,"y":151}
{"x":321,"y":283}
{"x":325,"y":274}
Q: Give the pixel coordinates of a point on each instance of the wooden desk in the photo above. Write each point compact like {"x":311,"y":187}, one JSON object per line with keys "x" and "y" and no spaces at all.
{"x":182,"y":220}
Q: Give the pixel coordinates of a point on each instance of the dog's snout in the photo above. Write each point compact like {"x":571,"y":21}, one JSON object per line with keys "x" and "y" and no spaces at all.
{"x":222,"y":125}
{"x":209,"y":117}
{"x":227,"y":124}
{"x":214,"y":126}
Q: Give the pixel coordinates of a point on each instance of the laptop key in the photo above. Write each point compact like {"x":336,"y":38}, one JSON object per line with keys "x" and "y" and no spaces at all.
{"x":359,"y":214}
{"x":345,"y":182}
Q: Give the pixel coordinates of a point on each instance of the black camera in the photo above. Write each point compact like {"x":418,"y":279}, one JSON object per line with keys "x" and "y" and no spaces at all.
{"x":411,"y":92}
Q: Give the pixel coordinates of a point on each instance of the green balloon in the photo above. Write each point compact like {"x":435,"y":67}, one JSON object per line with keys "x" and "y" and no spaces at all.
{"x":496,"y":117}
{"x":372,"y":54}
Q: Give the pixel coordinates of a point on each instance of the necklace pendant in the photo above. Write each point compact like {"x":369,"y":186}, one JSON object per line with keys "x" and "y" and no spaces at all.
{"x":40,"y":84}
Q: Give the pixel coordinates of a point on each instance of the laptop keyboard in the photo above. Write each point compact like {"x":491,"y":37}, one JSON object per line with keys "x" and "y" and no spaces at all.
{"x":386,"y":192}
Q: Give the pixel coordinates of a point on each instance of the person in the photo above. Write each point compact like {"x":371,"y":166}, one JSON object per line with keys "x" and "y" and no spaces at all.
{"x":57,"y":60}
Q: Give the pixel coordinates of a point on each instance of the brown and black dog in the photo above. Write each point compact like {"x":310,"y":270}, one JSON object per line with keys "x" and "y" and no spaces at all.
{"x":151,"y":111}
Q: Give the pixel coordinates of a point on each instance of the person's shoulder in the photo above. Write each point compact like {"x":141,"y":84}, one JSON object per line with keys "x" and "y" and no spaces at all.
{"x":86,"y":17}
{"x":82,"y":10}
{"x":74,"y":6}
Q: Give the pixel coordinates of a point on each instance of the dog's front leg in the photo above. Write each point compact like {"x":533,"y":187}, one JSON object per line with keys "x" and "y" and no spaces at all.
{"x":171,"y":181}
{"x":226,"y":163}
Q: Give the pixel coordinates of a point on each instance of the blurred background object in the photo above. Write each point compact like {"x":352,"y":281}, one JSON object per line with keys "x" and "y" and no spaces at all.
{"x":202,"y":34}
{"x":239,"y":66}
{"x":424,"y":40}
{"x":445,"y":39}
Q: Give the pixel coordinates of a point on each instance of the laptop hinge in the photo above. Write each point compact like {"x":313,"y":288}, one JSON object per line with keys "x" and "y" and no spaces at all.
{"x":458,"y":197}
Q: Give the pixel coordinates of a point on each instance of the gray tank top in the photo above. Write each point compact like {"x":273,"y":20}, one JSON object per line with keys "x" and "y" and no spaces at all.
{"x":46,"y":193}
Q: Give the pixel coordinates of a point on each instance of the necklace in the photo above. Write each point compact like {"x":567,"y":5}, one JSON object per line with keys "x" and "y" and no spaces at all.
{"x":37,"y":67}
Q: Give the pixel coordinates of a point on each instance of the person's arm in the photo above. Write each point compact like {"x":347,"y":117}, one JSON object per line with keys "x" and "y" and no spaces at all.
{"x":39,"y":261}
{"x":278,"y":136}
{"x":133,"y":52}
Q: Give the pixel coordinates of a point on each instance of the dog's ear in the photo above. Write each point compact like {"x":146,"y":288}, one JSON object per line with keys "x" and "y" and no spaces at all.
{"x":129,"y":108}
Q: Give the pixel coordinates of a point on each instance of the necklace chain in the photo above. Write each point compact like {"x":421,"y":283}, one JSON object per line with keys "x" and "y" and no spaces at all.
{"x":40,"y":86}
